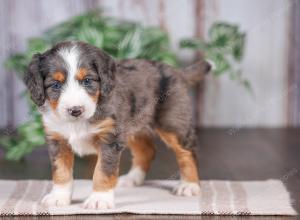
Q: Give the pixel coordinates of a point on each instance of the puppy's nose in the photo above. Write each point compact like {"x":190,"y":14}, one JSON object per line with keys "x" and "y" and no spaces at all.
{"x":75,"y":111}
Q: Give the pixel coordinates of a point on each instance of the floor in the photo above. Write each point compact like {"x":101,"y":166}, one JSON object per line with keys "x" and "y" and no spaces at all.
{"x":239,"y":154}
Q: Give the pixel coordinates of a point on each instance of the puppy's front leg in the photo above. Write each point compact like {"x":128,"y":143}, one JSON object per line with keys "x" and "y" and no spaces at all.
{"x":62,"y":159}
{"x":105,"y":177}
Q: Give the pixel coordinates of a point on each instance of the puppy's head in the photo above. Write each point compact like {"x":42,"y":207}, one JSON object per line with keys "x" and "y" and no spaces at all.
{"x":71,"y":78}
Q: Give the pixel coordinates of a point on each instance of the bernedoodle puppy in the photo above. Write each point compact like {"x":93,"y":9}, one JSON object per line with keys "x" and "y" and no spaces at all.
{"x":91,"y":104}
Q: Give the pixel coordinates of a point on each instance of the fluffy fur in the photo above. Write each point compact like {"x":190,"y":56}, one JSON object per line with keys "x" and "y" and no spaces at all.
{"x":91,"y":104}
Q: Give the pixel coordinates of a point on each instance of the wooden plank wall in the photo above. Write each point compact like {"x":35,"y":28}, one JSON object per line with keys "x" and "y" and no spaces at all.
{"x":294,"y":66}
{"x":221,"y":101}
{"x":265,"y":64}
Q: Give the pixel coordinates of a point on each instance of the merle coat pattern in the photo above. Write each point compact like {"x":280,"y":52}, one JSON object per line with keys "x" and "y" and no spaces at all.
{"x":124,"y":104}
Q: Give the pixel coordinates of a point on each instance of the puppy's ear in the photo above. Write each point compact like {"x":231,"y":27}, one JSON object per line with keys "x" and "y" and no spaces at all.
{"x":34,"y":81}
{"x":106,"y":68}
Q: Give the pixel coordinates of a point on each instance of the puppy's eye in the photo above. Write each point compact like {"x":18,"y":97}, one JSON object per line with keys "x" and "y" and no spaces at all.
{"x":87,"y":82}
{"x":56,"y":85}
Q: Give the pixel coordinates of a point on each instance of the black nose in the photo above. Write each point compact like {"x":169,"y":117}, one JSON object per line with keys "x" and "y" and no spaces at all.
{"x":75,"y":111}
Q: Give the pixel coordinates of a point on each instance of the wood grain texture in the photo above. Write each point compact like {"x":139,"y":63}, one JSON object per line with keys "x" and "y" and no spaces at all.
{"x":294,"y":67}
{"x":220,"y":102}
{"x":6,"y":116}
{"x":265,"y":64}
{"x":200,"y":88}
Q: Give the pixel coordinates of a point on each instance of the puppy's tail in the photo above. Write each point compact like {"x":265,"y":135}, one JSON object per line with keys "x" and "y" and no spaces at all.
{"x":196,"y":72}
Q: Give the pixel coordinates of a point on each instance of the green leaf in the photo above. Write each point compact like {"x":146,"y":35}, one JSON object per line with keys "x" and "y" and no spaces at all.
{"x":192,"y":44}
{"x":222,"y":64}
{"x":238,"y":48}
{"x":6,"y":142}
{"x":225,"y":47}
{"x":91,"y":36}
{"x":17,"y":152}
{"x":131,"y":46}
{"x":37,"y":45}
{"x":17,"y":62}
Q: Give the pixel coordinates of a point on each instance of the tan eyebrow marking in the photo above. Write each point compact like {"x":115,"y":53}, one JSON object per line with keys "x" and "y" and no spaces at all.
{"x":82,"y":72}
{"x":59,"y":76}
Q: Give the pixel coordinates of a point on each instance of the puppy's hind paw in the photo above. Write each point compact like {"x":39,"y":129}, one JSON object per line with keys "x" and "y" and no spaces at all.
{"x":187,"y":189}
{"x":100,"y":201}
{"x":135,"y":177}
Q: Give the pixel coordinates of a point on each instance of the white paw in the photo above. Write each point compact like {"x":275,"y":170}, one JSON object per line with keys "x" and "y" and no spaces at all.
{"x":135,"y":177}
{"x":53,"y":199}
{"x":100,"y":200}
{"x":60,"y":195}
{"x":187,"y":189}
{"x":128,"y":181}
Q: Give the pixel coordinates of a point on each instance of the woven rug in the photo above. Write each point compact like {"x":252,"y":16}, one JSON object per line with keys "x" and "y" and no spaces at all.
{"x":218,"y":198}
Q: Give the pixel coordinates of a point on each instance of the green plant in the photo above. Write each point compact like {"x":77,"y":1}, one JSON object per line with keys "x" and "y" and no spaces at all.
{"x":225,"y":47}
{"x":121,"y":39}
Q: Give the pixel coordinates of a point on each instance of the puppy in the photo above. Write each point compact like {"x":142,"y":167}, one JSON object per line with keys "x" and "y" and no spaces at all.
{"x":91,"y":104}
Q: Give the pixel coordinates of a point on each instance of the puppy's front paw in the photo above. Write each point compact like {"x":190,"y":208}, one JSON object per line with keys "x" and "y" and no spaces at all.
{"x":54,"y":199}
{"x":135,"y":177}
{"x":187,"y":189}
{"x":60,"y":195}
{"x":100,"y":200}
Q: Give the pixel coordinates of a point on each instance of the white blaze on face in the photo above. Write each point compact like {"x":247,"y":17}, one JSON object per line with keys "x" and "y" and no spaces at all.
{"x":74,"y":94}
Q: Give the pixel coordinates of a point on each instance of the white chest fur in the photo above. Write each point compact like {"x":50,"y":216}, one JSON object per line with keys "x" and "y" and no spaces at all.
{"x":78,"y":133}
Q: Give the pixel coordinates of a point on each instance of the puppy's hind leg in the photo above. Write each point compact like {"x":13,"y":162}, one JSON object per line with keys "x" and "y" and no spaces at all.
{"x":189,"y":185}
{"x":143,"y":151}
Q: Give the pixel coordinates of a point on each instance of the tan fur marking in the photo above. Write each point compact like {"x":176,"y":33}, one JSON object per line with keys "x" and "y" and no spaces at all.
{"x":185,"y":159}
{"x":82,"y":72}
{"x":53,"y":104}
{"x":102,"y":182}
{"x":53,"y":135}
{"x":63,"y":162}
{"x":96,"y":96}
{"x":106,"y":127}
{"x":142,"y":150}
{"x":59,"y":76}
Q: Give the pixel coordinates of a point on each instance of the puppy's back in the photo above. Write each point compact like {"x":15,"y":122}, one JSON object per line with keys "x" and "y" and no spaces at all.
{"x":144,"y":90}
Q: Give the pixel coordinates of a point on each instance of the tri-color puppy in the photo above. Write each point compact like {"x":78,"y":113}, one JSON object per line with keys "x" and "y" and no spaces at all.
{"x":91,"y":104}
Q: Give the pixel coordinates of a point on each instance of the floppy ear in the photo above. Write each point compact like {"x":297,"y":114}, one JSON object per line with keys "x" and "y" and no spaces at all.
{"x":106,"y":68}
{"x":34,"y":81}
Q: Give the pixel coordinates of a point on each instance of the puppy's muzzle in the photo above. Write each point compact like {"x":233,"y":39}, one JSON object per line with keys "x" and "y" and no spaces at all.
{"x":76,"y":111}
